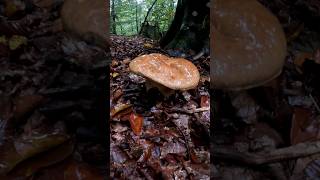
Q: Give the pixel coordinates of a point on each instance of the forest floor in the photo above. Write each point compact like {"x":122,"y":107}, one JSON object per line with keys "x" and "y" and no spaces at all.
{"x":153,"y":137}
{"x":273,"y":131}
{"x":51,"y":86}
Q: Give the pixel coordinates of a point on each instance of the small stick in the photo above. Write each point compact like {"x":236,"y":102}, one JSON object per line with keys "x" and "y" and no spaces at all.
{"x":282,"y":154}
{"x":192,"y":111}
{"x":315,"y":103}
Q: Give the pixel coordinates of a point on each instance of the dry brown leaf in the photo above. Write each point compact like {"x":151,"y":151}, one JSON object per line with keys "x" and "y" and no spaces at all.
{"x":136,"y":122}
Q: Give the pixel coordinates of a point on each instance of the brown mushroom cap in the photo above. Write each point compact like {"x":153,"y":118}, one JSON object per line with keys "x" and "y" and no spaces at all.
{"x":174,"y":73}
{"x":88,"y":19}
{"x":248,"y":44}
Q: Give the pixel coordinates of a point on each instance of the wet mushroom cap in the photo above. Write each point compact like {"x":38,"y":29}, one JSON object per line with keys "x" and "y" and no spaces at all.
{"x":174,"y":73}
{"x":87,"y":18}
{"x":248,"y":44}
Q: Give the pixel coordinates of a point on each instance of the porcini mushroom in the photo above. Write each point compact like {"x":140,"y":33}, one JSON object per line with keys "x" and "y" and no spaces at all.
{"x":88,"y":19}
{"x":248,"y":44}
{"x":165,"y":73}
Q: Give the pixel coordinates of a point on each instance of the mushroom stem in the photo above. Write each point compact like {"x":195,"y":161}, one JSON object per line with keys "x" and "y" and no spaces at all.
{"x":165,"y":91}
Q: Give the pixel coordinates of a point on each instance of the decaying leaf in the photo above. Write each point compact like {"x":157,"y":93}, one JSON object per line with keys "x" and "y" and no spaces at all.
{"x":17,"y":41}
{"x":136,"y":122}
{"x":304,"y":126}
{"x":118,"y":108}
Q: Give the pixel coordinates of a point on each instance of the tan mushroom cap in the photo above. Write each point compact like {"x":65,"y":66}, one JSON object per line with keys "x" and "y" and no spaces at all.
{"x":248,"y":44}
{"x":174,"y":73}
{"x":87,"y":18}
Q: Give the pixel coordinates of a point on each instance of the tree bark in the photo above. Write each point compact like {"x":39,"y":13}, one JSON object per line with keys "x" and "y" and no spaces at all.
{"x":175,"y":25}
{"x":190,"y":26}
{"x":137,"y":24}
{"x":113,"y":14}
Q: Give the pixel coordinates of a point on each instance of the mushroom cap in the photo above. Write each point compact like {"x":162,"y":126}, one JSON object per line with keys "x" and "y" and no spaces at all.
{"x":248,"y":44}
{"x":88,"y":19}
{"x":174,"y":73}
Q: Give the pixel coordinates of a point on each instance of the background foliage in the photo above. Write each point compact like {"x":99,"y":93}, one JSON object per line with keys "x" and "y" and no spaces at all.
{"x":130,"y":14}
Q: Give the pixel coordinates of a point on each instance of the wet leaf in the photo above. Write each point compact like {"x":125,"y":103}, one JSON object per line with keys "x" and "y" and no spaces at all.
{"x":3,"y":40}
{"x":147,"y":45}
{"x":117,"y":155}
{"x":205,"y":101}
{"x":6,"y":108}
{"x":302,"y":168}
{"x":13,"y":6}
{"x":25,"y":105}
{"x":136,"y":122}
{"x":25,"y":147}
{"x":69,"y":170}
{"x":316,"y":56}
{"x":246,"y":107}
{"x":32,"y":165}
{"x":4,"y":50}
{"x":301,"y":58}
{"x":173,"y":148}
{"x":116,"y":95}
{"x":312,"y":171}
{"x":114,"y":63}
{"x":118,"y":108}
{"x":45,"y":3}
{"x":17,"y":41}
{"x":304,"y":127}
{"x":115,"y":74}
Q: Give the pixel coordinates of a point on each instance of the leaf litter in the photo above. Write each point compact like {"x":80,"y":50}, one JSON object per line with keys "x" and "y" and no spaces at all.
{"x":49,"y":86}
{"x":272,"y":132}
{"x":160,"y":138}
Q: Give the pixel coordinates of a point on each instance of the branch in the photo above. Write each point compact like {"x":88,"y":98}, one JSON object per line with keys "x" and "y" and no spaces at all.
{"x":292,"y":152}
{"x":145,"y":18}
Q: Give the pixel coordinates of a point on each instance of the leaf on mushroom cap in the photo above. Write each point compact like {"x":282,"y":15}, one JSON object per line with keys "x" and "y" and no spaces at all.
{"x":174,"y":73}
{"x":248,"y":44}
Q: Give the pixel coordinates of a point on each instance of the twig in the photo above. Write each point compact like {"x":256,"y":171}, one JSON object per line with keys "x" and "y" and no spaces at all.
{"x":190,"y":111}
{"x":315,"y":103}
{"x":197,"y":56}
{"x":282,"y":154}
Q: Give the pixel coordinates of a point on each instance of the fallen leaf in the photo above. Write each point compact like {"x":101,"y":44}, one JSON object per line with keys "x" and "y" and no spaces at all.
{"x":118,"y":108}
{"x":316,"y":56}
{"x":303,"y":129}
{"x":116,"y":95}
{"x":173,"y":148}
{"x":32,"y":165}
{"x":246,"y":107}
{"x":306,"y":168}
{"x":301,"y":58}
{"x":25,"y":105}
{"x":115,"y":74}
{"x":136,"y":122}
{"x":69,"y":169}
{"x":114,"y":63}
{"x":44,"y":3}
{"x":147,"y":45}
{"x":13,"y":6}
{"x":3,"y":40}
{"x":205,"y":101}
{"x":17,"y":41}
{"x":13,"y":153}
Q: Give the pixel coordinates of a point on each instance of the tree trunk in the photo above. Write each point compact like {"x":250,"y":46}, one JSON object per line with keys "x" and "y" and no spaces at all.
{"x":190,"y":26}
{"x":175,"y":25}
{"x":146,"y":18}
{"x":113,"y":14}
{"x":137,"y":22}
